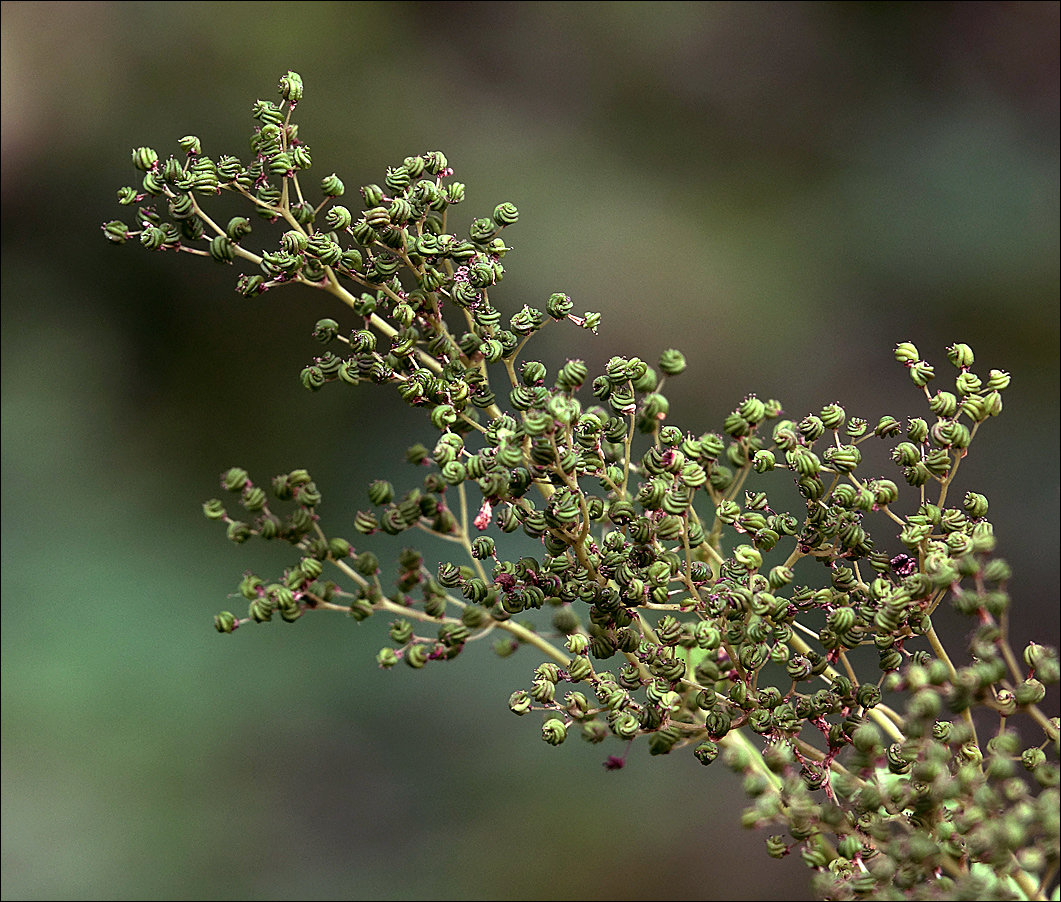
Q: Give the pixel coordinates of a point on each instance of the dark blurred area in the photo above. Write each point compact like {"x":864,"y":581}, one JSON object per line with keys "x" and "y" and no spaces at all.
{"x":783,"y":191}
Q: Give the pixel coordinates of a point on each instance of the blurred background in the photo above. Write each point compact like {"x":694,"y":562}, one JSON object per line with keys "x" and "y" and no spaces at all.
{"x":781,"y":190}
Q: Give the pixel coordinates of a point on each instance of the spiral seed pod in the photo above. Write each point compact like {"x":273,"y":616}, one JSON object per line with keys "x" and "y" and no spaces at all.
{"x":922,"y":373}
{"x":906,"y":352}
{"x":398,"y":178}
{"x":805,"y":463}
{"x":718,"y":722}
{"x":554,"y":731}
{"x":144,"y":158}
{"x":225,"y":622}
{"x":572,"y":374}
{"x":543,"y":691}
{"x":416,"y":656}
{"x":579,"y":667}
{"x":559,"y":306}
{"x":844,"y":459}
{"x":505,"y":214}
{"x":482,"y":230}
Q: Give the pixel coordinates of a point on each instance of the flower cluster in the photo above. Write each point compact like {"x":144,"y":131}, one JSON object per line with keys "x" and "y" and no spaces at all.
{"x":671,"y":598}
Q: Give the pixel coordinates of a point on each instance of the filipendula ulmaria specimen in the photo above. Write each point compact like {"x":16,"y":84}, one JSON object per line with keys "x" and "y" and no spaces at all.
{"x":664,"y":598}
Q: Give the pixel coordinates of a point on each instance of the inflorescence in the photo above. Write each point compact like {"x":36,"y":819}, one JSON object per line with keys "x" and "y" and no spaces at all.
{"x":666,"y":591}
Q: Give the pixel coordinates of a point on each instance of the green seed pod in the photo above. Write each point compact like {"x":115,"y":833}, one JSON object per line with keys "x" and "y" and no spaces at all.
{"x":579,"y":667}
{"x":365,"y":523}
{"x":625,"y":725}
{"x":961,"y":355}
{"x":116,"y":232}
{"x":922,"y":373}
{"x":804,"y":462}
{"x":312,"y":378}
{"x":221,"y":249}
{"x":748,"y":557}
{"x":554,"y":731}
{"x":154,"y":185}
{"x":906,"y":454}
{"x":453,"y":635}
{"x":386,"y":658}
{"x":505,"y":214}
{"x":214,"y":509}
{"x":229,"y":169}
{"x":906,"y":352}
{"x":225,"y":622}
{"x":887,"y":426}
{"x":144,"y":158}
{"x":533,"y":373}
{"x":843,"y":459}
{"x":672,"y":362}
{"x":811,"y":428}
{"x":780,"y":576}
{"x":763,"y":461}
{"x":967,"y":384}
{"x":261,"y":610}
{"x":291,"y":87}
{"x":833,"y":416}
{"x":943,"y":404}
{"x":398,"y":178}
{"x":253,"y":498}
{"x":753,"y":657}
{"x":559,"y":306}
{"x":543,"y":690}
{"x":572,"y":374}
{"x":897,"y":763}
{"x":997,"y":380}
{"x":338,"y":218}
{"x":718,"y":722}
{"x":235,"y":479}
{"x":1030,"y":692}
{"x":416,"y":656}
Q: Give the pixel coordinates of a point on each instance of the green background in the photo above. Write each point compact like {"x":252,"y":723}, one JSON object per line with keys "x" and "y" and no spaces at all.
{"x":781,"y":190}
